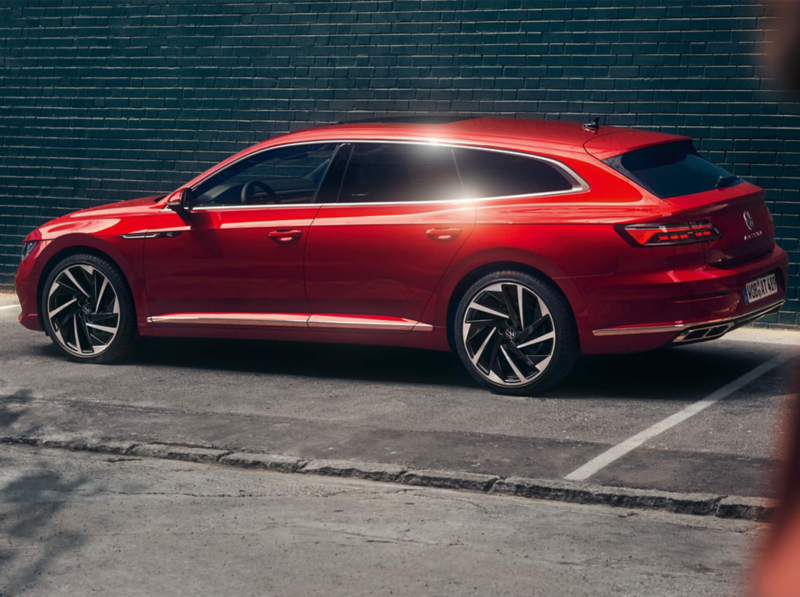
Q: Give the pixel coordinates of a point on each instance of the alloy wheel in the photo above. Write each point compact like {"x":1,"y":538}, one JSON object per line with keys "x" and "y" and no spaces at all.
{"x":508,"y":334}
{"x":83,"y":310}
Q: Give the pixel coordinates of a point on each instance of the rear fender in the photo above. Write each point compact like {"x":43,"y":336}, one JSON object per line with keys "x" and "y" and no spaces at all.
{"x":438,"y":308}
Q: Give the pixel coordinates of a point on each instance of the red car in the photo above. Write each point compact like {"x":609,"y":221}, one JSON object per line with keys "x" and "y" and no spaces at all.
{"x":519,"y":244}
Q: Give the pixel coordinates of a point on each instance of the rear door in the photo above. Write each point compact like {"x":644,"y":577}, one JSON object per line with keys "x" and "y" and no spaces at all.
{"x":398,"y":222}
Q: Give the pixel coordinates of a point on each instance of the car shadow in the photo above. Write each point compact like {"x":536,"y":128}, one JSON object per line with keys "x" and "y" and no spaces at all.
{"x":331,"y":361}
{"x":682,"y":372}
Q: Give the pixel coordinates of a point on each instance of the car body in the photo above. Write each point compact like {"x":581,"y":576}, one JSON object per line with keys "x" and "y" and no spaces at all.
{"x":333,"y":265}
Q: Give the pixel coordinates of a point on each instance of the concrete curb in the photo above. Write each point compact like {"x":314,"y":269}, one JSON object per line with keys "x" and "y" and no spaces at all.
{"x":178,"y":452}
{"x":758,"y":509}
{"x":283,"y":464}
{"x":700,"y":504}
{"x":697,"y":504}
{"x":449,"y":480}
{"x":67,"y":442}
{"x":371,"y":471}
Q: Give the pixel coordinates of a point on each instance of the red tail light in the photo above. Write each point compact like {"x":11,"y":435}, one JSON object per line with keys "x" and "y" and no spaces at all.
{"x":664,"y":235}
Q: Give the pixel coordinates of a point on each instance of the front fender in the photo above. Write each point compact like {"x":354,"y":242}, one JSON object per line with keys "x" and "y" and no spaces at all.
{"x":127,"y":255}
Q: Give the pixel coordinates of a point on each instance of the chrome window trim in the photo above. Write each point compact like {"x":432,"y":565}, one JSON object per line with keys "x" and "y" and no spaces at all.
{"x":579,"y":184}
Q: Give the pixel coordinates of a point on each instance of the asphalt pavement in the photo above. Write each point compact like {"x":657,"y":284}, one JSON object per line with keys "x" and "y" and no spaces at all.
{"x":76,"y":523}
{"x":417,"y":408}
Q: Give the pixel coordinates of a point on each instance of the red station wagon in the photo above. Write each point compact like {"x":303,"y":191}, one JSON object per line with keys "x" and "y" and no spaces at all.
{"x":518,"y":244}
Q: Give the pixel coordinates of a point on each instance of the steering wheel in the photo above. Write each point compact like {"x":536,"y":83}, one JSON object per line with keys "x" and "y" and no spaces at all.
{"x":247,"y":190}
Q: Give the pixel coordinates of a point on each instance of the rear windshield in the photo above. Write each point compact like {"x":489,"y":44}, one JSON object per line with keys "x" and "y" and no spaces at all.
{"x":671,"y":170}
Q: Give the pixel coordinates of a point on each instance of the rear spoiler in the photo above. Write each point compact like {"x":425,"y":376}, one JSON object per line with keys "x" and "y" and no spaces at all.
{"x":607,"y":146}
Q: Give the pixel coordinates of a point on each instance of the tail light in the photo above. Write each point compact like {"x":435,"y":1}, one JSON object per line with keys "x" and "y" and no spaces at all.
{"x":666,"y":235}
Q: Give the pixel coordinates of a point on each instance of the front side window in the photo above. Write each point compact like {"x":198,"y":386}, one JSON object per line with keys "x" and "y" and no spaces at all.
{"x":498,"y":174}
{"x":287,"y":175}
{"x":398,"y":172}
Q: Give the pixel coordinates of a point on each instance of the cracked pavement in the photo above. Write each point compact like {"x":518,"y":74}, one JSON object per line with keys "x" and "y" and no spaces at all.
{"x":74,"y":523}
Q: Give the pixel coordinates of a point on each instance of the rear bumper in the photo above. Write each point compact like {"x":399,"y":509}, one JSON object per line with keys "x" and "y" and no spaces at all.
{"x":644,"y":311}
{"x":698,"y":331}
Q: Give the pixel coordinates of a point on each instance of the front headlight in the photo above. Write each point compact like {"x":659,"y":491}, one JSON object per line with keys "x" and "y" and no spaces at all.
{"x":27,"y":248}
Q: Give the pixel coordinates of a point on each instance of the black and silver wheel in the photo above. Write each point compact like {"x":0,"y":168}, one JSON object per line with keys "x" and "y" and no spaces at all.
{"x":87,"y":310}
{"x":515,"y":334}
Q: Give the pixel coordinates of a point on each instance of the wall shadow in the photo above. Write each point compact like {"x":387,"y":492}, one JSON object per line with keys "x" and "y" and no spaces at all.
{"x":28,"y":506}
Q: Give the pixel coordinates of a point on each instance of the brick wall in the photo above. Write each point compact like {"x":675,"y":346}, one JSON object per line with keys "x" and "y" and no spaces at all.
{"x":108,"y":100}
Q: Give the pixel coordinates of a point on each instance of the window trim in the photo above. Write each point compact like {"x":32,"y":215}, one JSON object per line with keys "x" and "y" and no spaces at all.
{"x":579,"y":184}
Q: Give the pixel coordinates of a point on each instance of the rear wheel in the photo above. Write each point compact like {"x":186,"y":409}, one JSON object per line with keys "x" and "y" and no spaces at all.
{"x":88,"y":310}
{"x":515,"y":334}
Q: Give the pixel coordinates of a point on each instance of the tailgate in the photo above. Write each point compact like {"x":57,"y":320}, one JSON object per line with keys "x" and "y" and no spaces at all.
{"x":740,"y":213}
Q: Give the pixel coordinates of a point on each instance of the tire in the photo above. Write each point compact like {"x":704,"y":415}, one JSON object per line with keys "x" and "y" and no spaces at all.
{"x":87,"y":310}
{"x":509,"y":353}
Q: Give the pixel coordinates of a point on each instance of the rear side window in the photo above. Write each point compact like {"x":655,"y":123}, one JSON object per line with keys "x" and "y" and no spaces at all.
{"x":671,"y":170}
{"x":397,"y":172}
{"x":496,"y":174}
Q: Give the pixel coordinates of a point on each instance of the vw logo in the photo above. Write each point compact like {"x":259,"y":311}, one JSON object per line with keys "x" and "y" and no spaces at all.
{"x":511,"y":333}
{"x":748,"y":219}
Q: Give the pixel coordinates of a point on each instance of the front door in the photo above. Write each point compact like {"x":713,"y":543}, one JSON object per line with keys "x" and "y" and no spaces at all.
{"x":239,"y":254}
{"x":383,"y":246}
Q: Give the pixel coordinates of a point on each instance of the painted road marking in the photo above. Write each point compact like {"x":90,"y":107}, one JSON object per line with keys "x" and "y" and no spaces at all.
{"x":618,"y":451}
{"x":9,"y":307}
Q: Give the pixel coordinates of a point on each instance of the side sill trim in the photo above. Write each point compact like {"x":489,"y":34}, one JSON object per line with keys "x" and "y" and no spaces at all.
{"x":238,"y":319}
{"x":662,"y":329}
{"x":301,"y":320}
{"x":361,"y":323}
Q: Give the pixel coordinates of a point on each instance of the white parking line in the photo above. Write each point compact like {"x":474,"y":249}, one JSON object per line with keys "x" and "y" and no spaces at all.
{"x":618,"y":451}
{"x":9,"y":307}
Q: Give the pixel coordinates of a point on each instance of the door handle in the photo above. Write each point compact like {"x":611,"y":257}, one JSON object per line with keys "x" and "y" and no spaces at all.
{"x":285,"y":236}
{"x":443,"y":234}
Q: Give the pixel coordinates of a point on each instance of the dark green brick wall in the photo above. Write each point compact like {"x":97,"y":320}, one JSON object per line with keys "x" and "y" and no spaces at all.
{"x":109,"y":100}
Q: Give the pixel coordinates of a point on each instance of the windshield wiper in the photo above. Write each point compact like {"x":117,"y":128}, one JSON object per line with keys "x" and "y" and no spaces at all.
{"x":726,"y":181}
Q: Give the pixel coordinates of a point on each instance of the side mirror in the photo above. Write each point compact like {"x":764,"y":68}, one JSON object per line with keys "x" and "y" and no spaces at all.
{"x":183,"y":207}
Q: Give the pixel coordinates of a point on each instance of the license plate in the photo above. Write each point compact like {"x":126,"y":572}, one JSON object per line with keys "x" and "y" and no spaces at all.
{"x":760,"y":288}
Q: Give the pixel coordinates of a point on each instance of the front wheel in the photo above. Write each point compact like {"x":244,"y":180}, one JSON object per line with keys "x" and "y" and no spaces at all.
{"x":88,"y":311}
{"x":515,"y":334}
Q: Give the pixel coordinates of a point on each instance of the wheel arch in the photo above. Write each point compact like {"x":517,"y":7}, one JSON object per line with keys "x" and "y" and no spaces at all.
{"x":468,"y":278}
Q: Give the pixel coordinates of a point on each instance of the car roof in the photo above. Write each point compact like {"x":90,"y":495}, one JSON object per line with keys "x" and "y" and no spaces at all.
{"x":604,"y":142}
